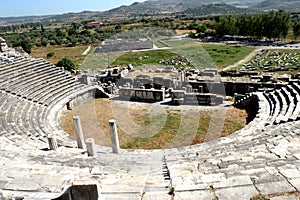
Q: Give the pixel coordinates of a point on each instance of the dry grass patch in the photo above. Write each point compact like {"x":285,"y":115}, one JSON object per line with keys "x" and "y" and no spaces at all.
{"x":283,"y":195}
{"x":73,"y":53}
{"x":139,"y":127}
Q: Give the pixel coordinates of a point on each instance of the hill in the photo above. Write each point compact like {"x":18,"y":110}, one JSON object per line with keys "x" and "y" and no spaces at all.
{"x":199,"y":7}
{"x":67,"y":17}
{"x":288,"y":5}
{"x":215,"y":9}
{"x":171,"y":6}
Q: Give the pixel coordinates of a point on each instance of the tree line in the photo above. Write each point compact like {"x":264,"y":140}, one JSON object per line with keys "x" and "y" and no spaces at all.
{"x":64,"y":36}
{"x":271,"y":25}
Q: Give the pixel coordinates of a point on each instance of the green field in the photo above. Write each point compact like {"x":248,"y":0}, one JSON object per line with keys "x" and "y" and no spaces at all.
{"x":193,"y":51}
{"x":210,"y":55}
{"x":143,"y":57}
{"x":225,"y":55}
{"x":199,"y":55}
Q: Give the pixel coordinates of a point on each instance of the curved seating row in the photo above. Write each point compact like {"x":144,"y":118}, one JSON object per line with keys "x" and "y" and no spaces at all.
{"x":29,"y":89}
{"x":283,"y":104}
{"x":256,"y":160}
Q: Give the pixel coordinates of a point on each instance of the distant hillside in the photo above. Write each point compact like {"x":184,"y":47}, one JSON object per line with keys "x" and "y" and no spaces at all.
{"x":288,"y":5}
{"x":148,"y":7}
{"x":67,"y":17}
{"x":20,"y":20}
{"x":171,"y":6}
{"x":199,"y":7}
{"x":215,"y":9}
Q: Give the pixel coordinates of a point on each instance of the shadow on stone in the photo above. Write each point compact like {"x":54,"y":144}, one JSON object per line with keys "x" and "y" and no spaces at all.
{"x":80,"y":192}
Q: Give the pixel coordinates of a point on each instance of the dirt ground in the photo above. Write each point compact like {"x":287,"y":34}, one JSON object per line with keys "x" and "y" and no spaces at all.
{"x":152,"y":125}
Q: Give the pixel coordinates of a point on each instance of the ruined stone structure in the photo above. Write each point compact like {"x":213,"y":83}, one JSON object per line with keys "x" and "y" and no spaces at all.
{"x":122,"y":44}
{"x":142,"y":94}
{"x":3,"y":45}
{"x":262,"y":158}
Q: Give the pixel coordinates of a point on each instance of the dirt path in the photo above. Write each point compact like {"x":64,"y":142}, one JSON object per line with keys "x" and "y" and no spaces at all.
{"x":243,"y":61}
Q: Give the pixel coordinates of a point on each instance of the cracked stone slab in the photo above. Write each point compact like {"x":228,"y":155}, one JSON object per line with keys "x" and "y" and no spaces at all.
{"x":121,"y":196}
{"x":194,"y":187}
{"x":122,"y":188}
{"x":297,"y":156}
{"x":296,"y":183}
{"x":210,"y":178}
{"x":244,"y":192}
{"x":156,"y":195}
{"x":234,"y":181}
{"x":199,"y":195}
{"x":291,"y":173}
{"x":274,"y":187}
{"x":22,"y":185}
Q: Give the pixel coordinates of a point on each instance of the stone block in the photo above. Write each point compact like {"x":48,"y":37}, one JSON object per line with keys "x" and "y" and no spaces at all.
{"x":234,"y":181}
{"x":274,"y":187}
{"x":244,"y":192}
{"x":296,"y":183}
{"x":210,"y":178}
{"x":22,"y":185}
{"x":156,"y":196}
{"x":290,"y":173}
{"x":120,"y":196}
{"x":199,"y":195}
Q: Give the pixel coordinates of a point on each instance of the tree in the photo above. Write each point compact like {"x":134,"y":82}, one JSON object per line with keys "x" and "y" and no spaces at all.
{"x":42,"y":29}
{"x":227,"y":26}
{"x":44,"y":42}
{"x":72,"y":32}
{"x":25,"y":44}
{"x":60,"y":33}
{"x":67,"y":64}
{"x":118,"y":27}
{"x":296,"y":30}
{"x":201,"y":28}
{"x":272,"y":25}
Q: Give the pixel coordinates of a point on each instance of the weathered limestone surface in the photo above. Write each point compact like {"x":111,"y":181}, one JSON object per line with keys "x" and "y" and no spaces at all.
{"x":263,"y":158}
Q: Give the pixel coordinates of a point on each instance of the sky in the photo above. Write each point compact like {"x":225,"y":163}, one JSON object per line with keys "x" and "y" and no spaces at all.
{"x":13,"y":8}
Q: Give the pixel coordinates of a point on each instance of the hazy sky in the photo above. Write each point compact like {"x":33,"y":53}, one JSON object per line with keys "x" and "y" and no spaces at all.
{"x":9,"y":8}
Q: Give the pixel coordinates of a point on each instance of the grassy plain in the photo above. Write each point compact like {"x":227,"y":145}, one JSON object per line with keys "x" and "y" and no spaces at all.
{"x":200,"y":55}
{"x":143,"y":57}
{"x":225,"y":55}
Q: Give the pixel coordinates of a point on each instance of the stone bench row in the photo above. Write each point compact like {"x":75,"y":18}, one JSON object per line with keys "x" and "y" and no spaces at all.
{"x":22,"y":120}
{"x":16,"y":61}
{"x":241,"y":162}
{"x":45,"y":69}
{"x":27,"y":119}
{"x":39,"y":81}
{"x":255,"y":157}
{"x":20,"y":117}
{"x":18,"y":67}
{"x":283,"y":104}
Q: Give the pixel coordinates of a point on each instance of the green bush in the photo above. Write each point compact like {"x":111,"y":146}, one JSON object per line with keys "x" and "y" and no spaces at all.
{"x":67,"y":64}
{"x":50,"y":54}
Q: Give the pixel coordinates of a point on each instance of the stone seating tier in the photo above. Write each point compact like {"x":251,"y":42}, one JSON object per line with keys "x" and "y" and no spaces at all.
{"x":259,"y":159}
